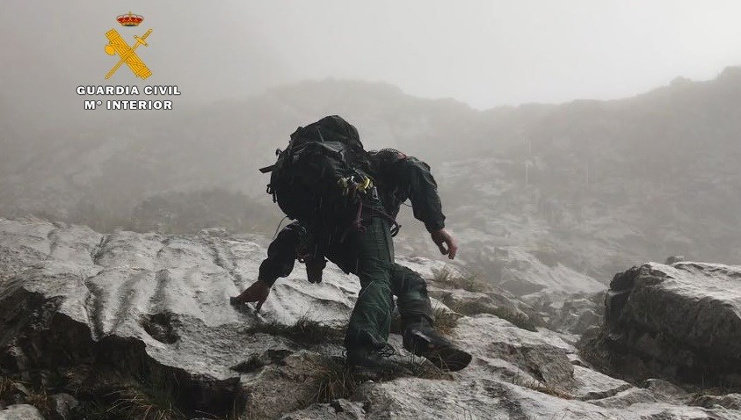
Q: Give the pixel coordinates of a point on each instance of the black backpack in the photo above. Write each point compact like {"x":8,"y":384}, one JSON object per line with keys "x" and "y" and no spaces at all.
{"x":316,"y":177}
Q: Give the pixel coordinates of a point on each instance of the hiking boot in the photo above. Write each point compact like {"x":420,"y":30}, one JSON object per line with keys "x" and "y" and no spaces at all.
{"x":372,"y":359}
{"x":428,"y":343}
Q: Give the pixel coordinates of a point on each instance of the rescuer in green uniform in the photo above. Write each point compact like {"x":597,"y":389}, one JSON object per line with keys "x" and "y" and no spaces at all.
{"x":368,"y":252}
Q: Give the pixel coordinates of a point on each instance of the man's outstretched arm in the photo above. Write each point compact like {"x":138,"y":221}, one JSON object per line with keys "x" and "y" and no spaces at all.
{"x":426,"y":203}
{"x":279,"y":263}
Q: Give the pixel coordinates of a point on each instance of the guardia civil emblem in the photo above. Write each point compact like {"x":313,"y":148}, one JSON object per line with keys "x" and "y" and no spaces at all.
{"x":127,"y":54}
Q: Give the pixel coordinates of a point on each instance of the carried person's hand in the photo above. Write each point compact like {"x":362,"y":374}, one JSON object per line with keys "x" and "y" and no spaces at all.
{"x":257,"y":292}
{"x":445,"y":243}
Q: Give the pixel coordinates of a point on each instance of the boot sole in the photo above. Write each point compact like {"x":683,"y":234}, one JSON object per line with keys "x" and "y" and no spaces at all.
{"x":448,"y":358}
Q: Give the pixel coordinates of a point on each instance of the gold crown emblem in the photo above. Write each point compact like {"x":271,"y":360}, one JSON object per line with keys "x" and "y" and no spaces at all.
{"x":129,"y":19}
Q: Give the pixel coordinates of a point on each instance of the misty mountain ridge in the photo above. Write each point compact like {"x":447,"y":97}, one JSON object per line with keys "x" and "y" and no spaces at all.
{"x":588,"y":185}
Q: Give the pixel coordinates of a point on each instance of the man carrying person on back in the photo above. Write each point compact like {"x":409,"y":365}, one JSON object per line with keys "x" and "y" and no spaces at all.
{"x":345,"y":201}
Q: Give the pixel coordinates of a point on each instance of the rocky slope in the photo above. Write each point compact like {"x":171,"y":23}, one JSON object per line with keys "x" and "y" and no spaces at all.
{"x":138,"y":325}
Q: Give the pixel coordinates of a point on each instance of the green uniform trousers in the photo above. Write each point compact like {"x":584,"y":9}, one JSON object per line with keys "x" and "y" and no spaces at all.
{"x":380,"y":278}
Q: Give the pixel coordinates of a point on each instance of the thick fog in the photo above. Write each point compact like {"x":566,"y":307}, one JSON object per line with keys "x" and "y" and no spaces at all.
{"x":643,"y":169}
{"x":481,"y":52}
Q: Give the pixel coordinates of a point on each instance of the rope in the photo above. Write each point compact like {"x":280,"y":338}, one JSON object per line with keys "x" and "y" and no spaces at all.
{"x":278,"y":228}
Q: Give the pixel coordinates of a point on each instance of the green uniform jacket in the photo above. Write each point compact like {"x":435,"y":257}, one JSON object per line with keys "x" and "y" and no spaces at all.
{"x":398,"y":178}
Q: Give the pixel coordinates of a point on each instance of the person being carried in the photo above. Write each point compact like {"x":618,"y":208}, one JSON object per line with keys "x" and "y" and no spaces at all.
{"x":355,"y":232}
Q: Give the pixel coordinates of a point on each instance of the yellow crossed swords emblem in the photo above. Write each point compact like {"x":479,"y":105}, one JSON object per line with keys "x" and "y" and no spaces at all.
{"x":117,"y":45}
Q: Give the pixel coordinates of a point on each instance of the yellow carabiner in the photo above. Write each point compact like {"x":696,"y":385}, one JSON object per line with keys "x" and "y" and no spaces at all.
{"x":367,"y":183}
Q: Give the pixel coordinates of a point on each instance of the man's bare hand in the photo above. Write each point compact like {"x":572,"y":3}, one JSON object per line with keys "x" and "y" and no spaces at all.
{"x":257,"y":292}
{"x":445,"y":243}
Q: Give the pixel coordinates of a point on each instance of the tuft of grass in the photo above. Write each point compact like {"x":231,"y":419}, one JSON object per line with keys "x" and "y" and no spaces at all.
{"x":455,"y":280}
{"x":42,"y":402}
{"x":304,"y":331}
{"x":7,"y":388}
{"x":153,"y":398}
{"x":136,"y":403}
{"x":445,"y":320}
{"x":337,"y":380}
{"x":11,"y":389}
{"x":519,"y":319}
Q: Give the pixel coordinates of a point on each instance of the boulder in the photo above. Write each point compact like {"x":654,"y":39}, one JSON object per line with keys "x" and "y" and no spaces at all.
{"x":678,"y":321}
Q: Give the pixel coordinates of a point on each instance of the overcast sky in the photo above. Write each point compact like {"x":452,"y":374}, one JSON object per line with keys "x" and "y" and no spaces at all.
{"x":482,"y":52}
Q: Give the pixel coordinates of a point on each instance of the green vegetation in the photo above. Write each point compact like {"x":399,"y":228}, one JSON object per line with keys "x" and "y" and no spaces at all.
{"x":304,"y":331}
{"x":7,"y":387}
{"x":445,"y":320}
{"x":125,"y":395}
{"x":453,"y":279}
{"x":42,"y":402}
{"x":151,"y":403}
{"x":337,"y":380}
{"x":334,"y":381}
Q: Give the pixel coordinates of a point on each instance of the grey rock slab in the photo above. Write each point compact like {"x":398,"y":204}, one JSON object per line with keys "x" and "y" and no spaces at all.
{"x":501,"y":304}
{"x":666,"y":390}
{"x":115,"y":283}
{"x":592,"y":385}
{"x":728,"y":401}
{"x":627,"y":398}
{"x":339,"y":409}
{"x":568,"y":312}
{"x":491,"y":399}
{"x":20,"y":412}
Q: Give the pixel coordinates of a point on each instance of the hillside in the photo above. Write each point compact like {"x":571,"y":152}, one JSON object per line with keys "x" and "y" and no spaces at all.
{"x":587,"y":187}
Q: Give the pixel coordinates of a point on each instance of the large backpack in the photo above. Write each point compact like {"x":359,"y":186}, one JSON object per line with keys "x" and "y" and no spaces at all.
{"x":316,"y":177}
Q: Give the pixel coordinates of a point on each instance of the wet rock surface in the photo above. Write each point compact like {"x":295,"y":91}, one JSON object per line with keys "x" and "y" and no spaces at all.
{"x":20,"y":412}
{"x":125,"y":322}
{"x":680,"y":321}
{"x":574,"y":313}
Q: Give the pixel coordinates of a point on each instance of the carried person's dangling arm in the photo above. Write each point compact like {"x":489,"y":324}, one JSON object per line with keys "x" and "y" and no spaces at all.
{"x":279,"y":263}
